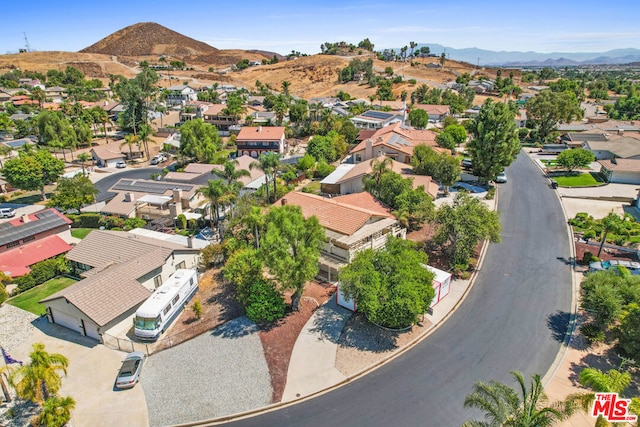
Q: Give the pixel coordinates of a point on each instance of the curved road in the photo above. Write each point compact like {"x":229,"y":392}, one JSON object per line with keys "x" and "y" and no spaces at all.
{"x":514,"y":318}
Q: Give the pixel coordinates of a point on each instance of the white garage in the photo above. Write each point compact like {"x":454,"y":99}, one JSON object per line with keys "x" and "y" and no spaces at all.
{"x":75,"y":321}
{"x":621,"y":171}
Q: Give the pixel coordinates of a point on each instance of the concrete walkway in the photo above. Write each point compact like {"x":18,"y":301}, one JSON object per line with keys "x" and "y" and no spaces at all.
{"x":312,"y":364}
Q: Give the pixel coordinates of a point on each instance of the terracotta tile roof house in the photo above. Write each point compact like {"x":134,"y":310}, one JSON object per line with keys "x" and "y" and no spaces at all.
{"x":18,"y":261}
{"x":256,"y":177}
{"x":396,"y":141}
{"x":28,"y":228}
{"x":214,"y":115}
{"x":621,"y":171}
{"x":435,"y":112}
{"x":119,"y":270}
{"x":347,"y":178}
{"x":255,"y":140}
{"x":352,"y":224}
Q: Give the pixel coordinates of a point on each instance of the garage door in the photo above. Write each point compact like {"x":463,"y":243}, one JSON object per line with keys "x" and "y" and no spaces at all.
{"x":66,"y":320}
{"x":91,"y":329}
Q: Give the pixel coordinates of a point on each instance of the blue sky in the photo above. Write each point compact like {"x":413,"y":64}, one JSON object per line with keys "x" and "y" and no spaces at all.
{"x":281,"y":26}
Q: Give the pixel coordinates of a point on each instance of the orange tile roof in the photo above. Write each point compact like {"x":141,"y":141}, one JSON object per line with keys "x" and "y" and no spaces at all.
{"x":260,"y":133}
{"x":366,"y":201}
{"x":412,"y":137}
{"x":333,"y":215}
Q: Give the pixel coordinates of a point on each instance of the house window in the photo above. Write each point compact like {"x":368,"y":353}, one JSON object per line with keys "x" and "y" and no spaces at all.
{"x":157,"y":281}
{"x":181,"y":265}
{"x":13,"y":244}
{"x":28,"y":239}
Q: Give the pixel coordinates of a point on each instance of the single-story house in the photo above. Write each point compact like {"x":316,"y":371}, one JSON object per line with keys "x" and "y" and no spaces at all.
{"x":375,"y":119}
{"x":621,"y":171}
{"x":436,"y":112}
{"x":620,"y":148}
{"x":348,"y":178}
{"x":107,"y":155}
{"x":118,"y":272}
{"x":150,"y":199}
{"x":32,"y":238}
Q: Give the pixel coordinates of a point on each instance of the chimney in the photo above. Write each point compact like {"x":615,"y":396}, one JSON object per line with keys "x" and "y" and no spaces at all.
{"x":368,"y":151}
{"x":175,"y":209}
{"x":283,"y":201}
{"x":128,"y":197}
{"x":620,"y":131}
{"x":25,"y":218}
{"x":190,"y":242}
{"x":177,"y":195}
{"x":259,"y":128}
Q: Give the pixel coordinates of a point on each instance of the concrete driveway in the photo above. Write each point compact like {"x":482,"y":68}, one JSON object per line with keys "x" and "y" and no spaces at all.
{"x":90,"y":377}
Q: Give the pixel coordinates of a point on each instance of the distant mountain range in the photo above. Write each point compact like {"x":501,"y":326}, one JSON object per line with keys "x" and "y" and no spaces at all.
{"x":556,"y":59}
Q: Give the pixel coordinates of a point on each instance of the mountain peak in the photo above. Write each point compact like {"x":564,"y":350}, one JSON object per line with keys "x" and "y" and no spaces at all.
{"x":148,"y":38}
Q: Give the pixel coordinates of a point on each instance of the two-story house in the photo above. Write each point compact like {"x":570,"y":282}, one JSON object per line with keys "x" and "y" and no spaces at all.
{"x":255,"y":140}
{"x":352,"y":223}
{"x":215,"y":115}
{"x":180,"y":95}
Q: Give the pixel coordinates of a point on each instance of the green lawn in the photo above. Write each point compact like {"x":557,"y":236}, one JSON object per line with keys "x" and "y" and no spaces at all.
{"x":313,"y":187}
{"x":29,"y":300}
{"x":578,"y":180}
{"x":80,"y":233}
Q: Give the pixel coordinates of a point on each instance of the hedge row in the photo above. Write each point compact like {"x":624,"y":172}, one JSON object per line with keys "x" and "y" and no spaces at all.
{"x":41,"y":272}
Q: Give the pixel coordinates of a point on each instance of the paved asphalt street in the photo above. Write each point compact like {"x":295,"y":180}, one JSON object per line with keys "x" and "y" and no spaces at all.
{"x":514,"y":318}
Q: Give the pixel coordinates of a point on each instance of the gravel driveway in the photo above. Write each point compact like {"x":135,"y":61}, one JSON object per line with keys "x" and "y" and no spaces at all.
{"x":219,"y":373}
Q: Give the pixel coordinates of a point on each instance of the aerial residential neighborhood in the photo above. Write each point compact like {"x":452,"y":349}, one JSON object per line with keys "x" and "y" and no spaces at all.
{"x":254,"y":233}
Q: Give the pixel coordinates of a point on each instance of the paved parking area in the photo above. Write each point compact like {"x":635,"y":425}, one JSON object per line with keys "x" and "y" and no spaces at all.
{"x":219,"y":373}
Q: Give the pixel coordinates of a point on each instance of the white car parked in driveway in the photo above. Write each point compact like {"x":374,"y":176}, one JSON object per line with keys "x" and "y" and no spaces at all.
{"x":121,"y":164}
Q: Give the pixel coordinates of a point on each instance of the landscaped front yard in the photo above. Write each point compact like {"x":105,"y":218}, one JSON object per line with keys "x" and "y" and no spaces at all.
{"x":80,"y":233}
{"x":28,"y":300}
{"x":578,"y":180}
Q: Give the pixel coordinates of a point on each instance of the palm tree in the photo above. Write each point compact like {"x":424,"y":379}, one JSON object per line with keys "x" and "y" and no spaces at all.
{"x":506,"y":406}
{"x":130,"y":140}
{"x":268,"y":163}
{"x":84,"y":157}
{"x":285,"y":87}
{"x":230,"y":173}
{"x":216,"y":192}
{"x":254,"y":220}
{"x":280,"y":108}
{"x":56,"y":412}
{"x":378,"y":168}
{"x":610,"y":223}
{"x":39,"y":379}
{"x":611,"y":381}
{"x":144,"y":137}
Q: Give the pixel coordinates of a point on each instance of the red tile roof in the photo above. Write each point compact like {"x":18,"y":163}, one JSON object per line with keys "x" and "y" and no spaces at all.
{"x":16,"y":262}
{"x":332,"y":214}
{"x":260,"y":133}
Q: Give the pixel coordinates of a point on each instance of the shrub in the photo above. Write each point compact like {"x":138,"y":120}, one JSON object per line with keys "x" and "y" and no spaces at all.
{"x":592,"y":333}
{"x":85,"y":220}
{"x":197,"y":308}
{"x":491,"y":193}
{"x":323,"y":169}
{"x":131,"y":223}
{"x":181,"y":221}
{"x":111,"y":221}
{"x":41,"y":272}
{"x":212,"y":255}
{"x":264,"y":302}
{"x":588,"y":258}
{"x":413,"y":81}
{"x":3,"y":294}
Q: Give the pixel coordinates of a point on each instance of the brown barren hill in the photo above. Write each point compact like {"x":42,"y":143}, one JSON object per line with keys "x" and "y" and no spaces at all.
{"x":148,"y":38}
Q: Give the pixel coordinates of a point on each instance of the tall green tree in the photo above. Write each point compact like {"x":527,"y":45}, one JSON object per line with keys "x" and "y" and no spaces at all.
{"x":33,"y":170}
{"x":291,"y":247}
{"x":391,"y":286}
{"x":419,"y":118}
{"x":39,"y":379}
{"x":199,"y":140}
{"x":463,"y":224}
{"x":138,"y":96}
{"x":548,"y":109}
{"x":611,"y":223}
{"x":218,"y":194}
{"x":268,"y":163}
{"x":84,"y":158}
{"x":495,"y":142}
{"x":523,"y":407}
{"x":73,"y":193}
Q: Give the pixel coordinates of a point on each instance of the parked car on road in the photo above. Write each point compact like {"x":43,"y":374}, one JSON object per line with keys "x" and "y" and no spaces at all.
{"x":7,"y":212}
{"x":159,"y":158}
{"x":467,"y":163}
{"x":129,"y":373}
{"x":121,"y":164}
{"x":501,"y":178}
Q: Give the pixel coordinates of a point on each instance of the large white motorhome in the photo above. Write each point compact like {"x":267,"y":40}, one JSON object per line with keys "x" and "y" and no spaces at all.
{"x":163,"y":306}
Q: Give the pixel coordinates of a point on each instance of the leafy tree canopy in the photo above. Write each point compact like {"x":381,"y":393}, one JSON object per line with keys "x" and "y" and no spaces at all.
{"x":391,"y":286}
{"x":548,"y":109}
{"x":33,"y":170}
{"x":199,"y":140}
{"x":73,"y":193}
